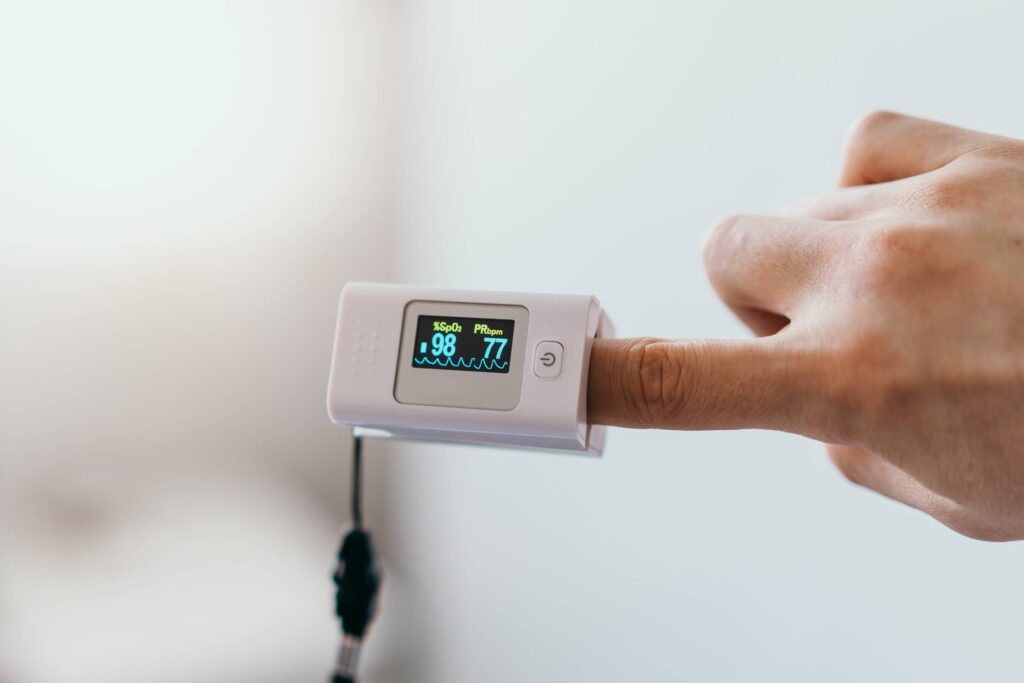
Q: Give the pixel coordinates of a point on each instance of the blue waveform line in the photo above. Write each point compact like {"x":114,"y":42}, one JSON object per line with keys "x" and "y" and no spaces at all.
{"x":460,"y":362}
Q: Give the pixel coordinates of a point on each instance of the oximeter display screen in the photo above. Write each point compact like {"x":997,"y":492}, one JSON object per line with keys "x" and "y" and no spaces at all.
{"x":473,"y":344}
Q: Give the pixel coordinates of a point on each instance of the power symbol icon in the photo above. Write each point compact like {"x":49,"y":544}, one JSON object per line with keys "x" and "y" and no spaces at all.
{"x":547,"y":362}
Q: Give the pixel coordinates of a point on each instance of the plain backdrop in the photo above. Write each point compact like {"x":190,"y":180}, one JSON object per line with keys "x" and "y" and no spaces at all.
{"x":185,"y":187}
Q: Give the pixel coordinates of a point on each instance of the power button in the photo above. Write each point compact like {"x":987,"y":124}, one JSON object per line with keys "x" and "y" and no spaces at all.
{"x":547,"y":359}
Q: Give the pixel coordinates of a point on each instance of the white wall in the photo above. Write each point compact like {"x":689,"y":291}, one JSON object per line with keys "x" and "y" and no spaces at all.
{"x":184,"y":188}
{"x":587,"y":147}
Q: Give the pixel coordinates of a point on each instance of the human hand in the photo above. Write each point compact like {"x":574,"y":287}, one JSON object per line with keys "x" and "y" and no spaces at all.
{"x":891,"y":313}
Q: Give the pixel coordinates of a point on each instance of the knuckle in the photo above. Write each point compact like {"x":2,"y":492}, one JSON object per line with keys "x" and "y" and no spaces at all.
{"x":870,"y":123}
{"x":721,"y":239}
{"x":656,"y":395}
{"x":891,"y":241}
{"x":882,"y":252}
{"x":887,"y":254}
{"x":900,"y":261}
{"x":848,"y":463}
{"x":944,"y":194}
{"x":1000,"y":150}
{"x":860,"y":140}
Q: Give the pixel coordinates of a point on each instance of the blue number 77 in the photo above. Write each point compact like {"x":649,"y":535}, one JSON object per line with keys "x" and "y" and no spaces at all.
{"x":490,"y":345}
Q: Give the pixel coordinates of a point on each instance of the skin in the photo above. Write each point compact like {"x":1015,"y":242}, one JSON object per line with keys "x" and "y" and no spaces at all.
{"x":890,"y":324}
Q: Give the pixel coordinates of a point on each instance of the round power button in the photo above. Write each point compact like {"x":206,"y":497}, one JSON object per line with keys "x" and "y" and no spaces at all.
{"x":547,"y":359}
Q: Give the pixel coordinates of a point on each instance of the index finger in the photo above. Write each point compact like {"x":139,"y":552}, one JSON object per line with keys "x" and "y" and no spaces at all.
{"x":706,"y":384}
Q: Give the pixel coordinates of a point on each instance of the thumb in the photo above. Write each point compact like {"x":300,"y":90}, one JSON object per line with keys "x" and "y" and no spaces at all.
{"x":704,"y":384}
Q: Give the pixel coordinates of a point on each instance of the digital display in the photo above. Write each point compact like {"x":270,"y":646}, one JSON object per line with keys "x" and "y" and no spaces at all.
{"x":468,"y":344}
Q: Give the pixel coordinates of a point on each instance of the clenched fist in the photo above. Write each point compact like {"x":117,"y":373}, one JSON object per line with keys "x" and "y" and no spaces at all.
{"x":891,"y":322}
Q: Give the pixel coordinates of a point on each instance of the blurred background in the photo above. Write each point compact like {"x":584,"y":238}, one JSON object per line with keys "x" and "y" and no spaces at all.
{"x":184,"y":189}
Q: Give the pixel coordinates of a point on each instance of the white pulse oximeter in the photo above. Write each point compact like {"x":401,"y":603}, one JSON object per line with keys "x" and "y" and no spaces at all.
{"x":497,"y":368}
